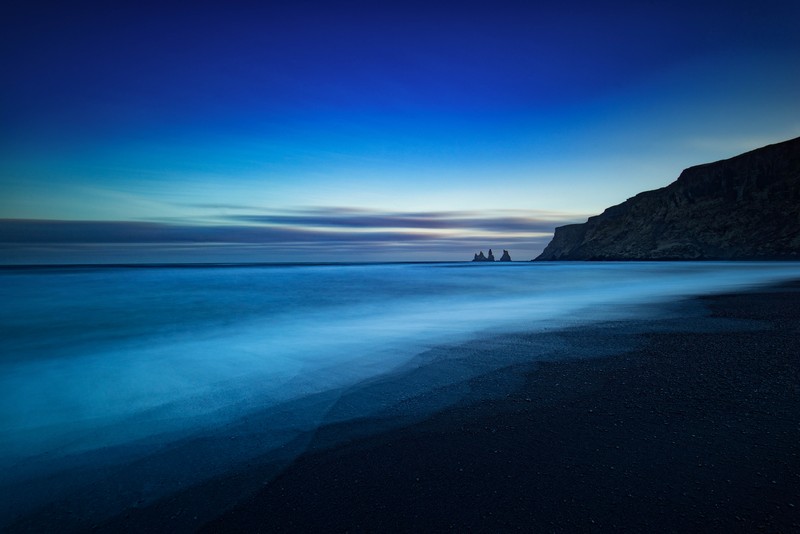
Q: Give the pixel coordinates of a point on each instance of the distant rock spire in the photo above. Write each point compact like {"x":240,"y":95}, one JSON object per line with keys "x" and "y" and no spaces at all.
{"x":490,"y":257}
{"x":480,"y":257}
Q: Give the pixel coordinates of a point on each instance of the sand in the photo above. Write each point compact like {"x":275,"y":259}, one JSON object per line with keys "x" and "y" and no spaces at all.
{"x":687,"y":423}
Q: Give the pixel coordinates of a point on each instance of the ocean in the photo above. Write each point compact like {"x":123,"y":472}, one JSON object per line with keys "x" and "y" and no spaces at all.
{"x":107,"y":363}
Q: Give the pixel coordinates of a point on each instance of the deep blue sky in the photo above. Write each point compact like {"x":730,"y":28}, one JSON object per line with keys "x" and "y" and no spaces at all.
{"x":293,"y":131}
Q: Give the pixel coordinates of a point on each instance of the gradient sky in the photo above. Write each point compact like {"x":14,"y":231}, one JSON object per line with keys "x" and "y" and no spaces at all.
{"x":326,"y":131}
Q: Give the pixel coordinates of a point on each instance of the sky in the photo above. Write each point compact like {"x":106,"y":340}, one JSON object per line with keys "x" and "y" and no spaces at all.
{"x":366,"y":131}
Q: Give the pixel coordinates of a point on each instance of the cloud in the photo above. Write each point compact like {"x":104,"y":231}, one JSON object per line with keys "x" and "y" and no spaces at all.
{"x":97,"y":232}
{"x":320,"y":234}
{"x":512,"y":222}
{"x":309,"y":225}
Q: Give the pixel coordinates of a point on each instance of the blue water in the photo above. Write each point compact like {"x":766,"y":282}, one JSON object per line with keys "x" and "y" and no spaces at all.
{"x":98,"y":357}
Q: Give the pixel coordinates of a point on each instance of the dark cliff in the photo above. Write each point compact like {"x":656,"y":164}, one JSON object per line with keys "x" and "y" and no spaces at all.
{"x":746,"y":207}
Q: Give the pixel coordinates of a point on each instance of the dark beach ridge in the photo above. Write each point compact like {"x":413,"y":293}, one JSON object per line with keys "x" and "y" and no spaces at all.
{"x":688,"y":422}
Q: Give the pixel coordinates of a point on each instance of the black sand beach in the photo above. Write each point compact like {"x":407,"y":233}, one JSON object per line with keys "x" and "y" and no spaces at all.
{"x":691,"y":424}
{"x":690,"y":432}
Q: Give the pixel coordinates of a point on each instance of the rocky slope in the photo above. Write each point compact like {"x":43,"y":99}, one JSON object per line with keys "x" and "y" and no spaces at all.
{"x":746,"y":207}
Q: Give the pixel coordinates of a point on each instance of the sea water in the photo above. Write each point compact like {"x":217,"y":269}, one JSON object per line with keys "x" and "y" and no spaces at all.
{"x":98,"y":357}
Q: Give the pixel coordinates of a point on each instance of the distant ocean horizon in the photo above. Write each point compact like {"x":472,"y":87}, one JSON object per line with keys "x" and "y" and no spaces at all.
{"x":102,"y":357}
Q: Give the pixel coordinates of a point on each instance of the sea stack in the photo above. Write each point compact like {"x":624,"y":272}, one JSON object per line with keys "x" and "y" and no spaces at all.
{"x":481,"y":257}
{"x":742,"y":208}
{"x":506,"y":256}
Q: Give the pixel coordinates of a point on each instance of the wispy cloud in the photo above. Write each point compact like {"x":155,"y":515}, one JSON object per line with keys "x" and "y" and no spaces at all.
{"x":98,"y":232}
{"x":376,"y":221}
{"x":511,"y":221}
{"x":319,"y":232}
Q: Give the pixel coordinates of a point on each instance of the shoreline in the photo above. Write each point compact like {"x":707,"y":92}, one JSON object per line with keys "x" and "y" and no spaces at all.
{"x":692,"y":431}
{"x":684,"y":423}
{"x":686,"y":432}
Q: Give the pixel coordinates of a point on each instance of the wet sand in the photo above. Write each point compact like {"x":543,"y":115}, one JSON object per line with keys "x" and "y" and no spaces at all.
{"x":692,"y":423}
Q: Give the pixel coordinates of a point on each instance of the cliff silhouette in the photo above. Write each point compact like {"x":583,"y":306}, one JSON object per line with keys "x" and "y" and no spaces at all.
{"x":745,"y":207}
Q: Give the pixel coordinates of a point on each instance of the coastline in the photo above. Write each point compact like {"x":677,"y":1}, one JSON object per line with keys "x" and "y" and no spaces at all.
{"x":686,"y":423}
{"x":689,"y":431}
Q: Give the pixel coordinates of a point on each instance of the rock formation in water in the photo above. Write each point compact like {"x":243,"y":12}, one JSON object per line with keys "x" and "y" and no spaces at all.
{"x":506,"y":256}
{"x":746,"y":207}
{"x":481,"y":257}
